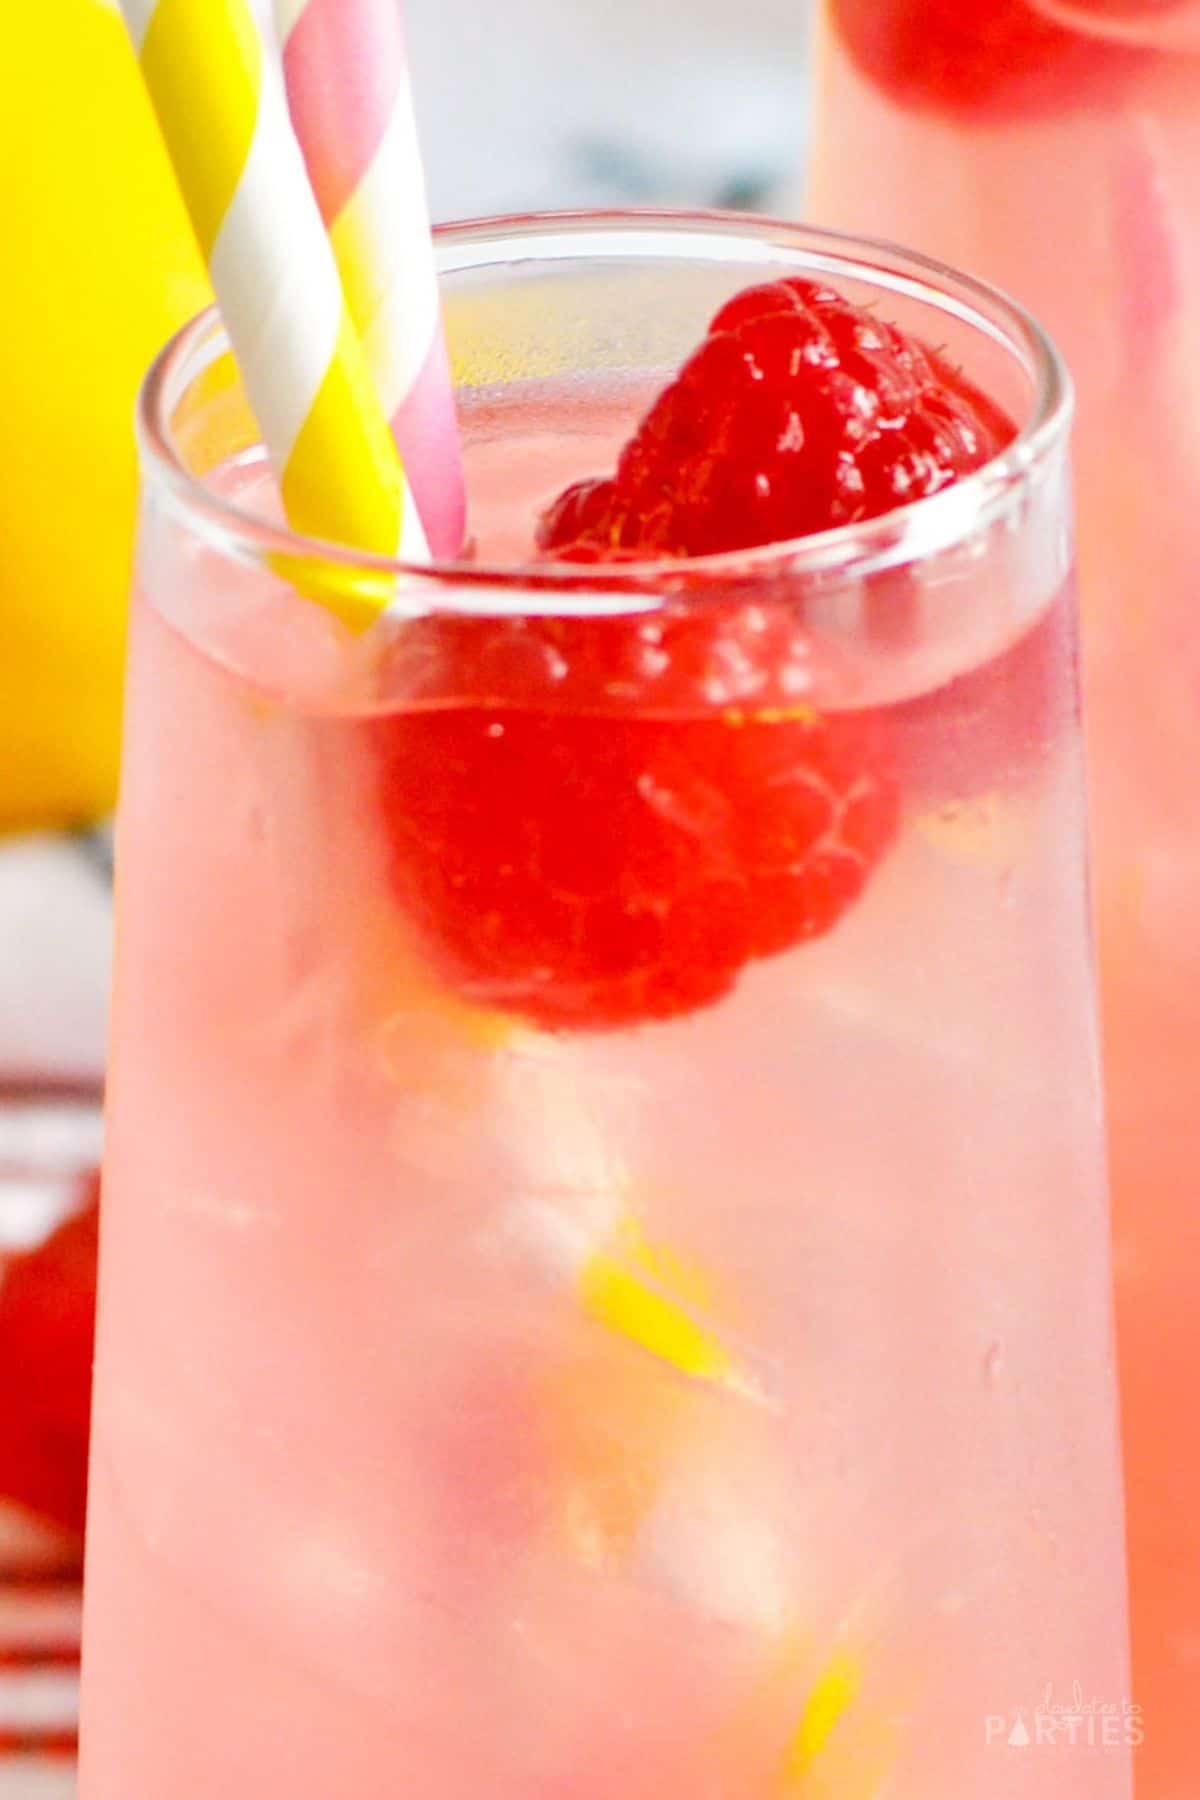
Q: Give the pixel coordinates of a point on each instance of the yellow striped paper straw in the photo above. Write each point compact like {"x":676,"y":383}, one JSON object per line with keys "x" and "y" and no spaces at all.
{"x":222,"y":113}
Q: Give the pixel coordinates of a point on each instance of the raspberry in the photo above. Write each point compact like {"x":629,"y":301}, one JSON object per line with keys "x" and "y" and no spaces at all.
{"x":589,"y":870}
{"x":596,"y":822}
{"x":47,"y":1313}
{"x":798,"y":412}
{"x":990,"y":58}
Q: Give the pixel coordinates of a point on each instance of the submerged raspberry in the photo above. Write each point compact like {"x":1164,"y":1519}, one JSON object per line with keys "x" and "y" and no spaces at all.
{"x":993,"y":58}
{"x":610,"y":865}
{"x":798,"y":412}
{"x":596,"y":822}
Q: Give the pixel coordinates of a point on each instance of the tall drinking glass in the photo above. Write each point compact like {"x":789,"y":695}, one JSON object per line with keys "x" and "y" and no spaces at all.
{"x":1053,"y":146}
{"x":583,"y":1311}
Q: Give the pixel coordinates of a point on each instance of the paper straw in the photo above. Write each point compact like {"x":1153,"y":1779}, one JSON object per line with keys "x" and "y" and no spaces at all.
{"x":224,"y":119}
{"x":346,"y":73}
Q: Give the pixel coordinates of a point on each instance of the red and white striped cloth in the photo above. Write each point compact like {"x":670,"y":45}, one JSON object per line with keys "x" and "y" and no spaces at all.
{"x":49,"y":1136}
{"x":39,"y":1662}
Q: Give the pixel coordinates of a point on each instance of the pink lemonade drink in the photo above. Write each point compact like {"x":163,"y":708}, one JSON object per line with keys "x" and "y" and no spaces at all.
{"x":1055,"y":150}
{"x":604,"y":1279}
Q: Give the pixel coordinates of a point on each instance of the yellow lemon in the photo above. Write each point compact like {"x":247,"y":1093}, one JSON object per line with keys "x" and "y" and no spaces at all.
{"x":97,"y":266}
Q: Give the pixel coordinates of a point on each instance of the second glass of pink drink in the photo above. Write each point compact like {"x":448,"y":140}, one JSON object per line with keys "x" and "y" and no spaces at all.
{"x":604,"y":1277}
{"x":1054,"y":148}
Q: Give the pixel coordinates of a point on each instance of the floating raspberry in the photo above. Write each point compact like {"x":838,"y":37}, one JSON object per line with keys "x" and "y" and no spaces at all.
{"x":798,"y":412}
{"x":991,"y":58}
{"x":47,"y":1313}
{"x":596,"y":822}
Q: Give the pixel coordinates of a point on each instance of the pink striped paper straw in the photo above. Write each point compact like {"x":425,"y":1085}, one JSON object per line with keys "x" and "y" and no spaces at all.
{"x":346,"y":70}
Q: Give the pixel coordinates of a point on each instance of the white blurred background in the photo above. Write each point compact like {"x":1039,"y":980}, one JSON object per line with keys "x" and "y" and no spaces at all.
{"x":548,"y":103}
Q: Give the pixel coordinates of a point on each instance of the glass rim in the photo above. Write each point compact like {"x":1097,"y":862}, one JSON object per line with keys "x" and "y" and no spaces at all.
{"x":906,"y":534}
